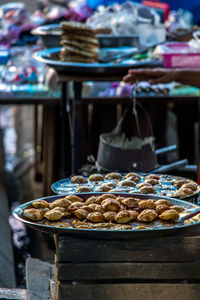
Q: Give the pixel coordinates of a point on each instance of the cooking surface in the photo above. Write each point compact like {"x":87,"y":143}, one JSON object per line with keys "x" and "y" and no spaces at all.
{"x":164,"y":188}
{"x":151,"y":229}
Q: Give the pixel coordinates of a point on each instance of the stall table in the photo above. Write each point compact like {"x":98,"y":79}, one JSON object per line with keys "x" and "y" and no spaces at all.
{"x":152,"y":268}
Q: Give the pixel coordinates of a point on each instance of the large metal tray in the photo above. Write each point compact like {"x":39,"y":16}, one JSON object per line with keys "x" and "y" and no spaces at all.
{"x":51,"y":58}
{"x":51,"y":37}
{"x":180,"y":228}
{"x":64,"y":186}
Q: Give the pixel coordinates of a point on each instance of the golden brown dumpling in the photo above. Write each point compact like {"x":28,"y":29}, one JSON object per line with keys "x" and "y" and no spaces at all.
{"x":33,"y":214}
{"x":96,"y":177}
{"x":105,"y":196}
{"x":144,"y":204}
{"x":103,"y":188}
{"x":99,"y":208}
{"x":153,"y":176}
{"x":127,"y":182}
{"x":180,"y":182}
{"x":110,"y":215}
{"x":147,"y":190}
{"x":113,"y":176}
{"x":142,"y":184}
{"x":133,"y":175}
{"x":43,"y":210}
{"x":152,"y":181}
{"x":92,"y":199}
{"x":81,"y":214}
{"x":110,"y":204}
{"x":40,"y":204}
{"x":177,"y":208}
{"x":187,"y":191}
{"x":191,"y":185}
{"x":84,"y":189}
{"x":163,"y":202}
{"x":54,"y":215}
{"x":180,"y":194}
{"x":74,"y":198}
{"x":161,"y":208}
{"x":147,"y":215}
{"x":78,"y":179}
{"x":74,"y":206}
{"x":170,"y":214}
{"x":88,"y":208}
{"x":120,"y":198}
{"x":123,"y":217}
{"x":130,"y":202}
{"x":60,"y":203}
{"x":95,"y":217}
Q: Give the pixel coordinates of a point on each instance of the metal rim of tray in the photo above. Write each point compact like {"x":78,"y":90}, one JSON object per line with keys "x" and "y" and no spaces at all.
{"x":45,"y":56}
{"x":47,"y":30}
{"x":112,"y":234}
{"x":190,"y":198}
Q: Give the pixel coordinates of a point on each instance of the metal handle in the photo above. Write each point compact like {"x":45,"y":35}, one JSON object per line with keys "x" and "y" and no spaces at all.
{"x":192,"y":213}
{"x":167,"y":149}
{"x":173,"y":166}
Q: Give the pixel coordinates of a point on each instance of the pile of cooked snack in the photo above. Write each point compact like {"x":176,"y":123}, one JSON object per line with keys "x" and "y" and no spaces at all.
{"x":79,"y":43}
{"x":103,"y":209}
{"x":150,"y":184}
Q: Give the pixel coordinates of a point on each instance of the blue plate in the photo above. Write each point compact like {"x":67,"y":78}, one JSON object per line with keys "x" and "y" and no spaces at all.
{"x":51,"y":58}
{"x":165,"y":188}
{"x":149,"y":232}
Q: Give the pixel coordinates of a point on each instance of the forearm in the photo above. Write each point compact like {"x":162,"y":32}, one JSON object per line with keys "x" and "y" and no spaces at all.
{"x":189,"y":77}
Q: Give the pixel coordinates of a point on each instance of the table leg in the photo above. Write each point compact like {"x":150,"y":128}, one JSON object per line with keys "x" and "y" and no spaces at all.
{"x":77,"y":147}
{"x":198,"y":174}
{"x":66,"y":131}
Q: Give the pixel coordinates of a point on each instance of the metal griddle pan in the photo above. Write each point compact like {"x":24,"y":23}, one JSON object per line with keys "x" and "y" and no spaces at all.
{"x":109,"y":234}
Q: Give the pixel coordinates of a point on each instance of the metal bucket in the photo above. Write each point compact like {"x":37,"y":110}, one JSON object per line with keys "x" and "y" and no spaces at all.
{"x":111,"y":157}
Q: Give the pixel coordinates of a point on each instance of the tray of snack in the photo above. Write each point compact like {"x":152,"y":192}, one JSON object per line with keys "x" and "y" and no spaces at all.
{"x":131,"y":183}
{"x":51,"y":57}
{"x":110,"y":216}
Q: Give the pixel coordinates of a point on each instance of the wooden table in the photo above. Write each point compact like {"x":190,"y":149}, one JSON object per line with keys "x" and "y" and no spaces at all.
{"x":153,"y":269}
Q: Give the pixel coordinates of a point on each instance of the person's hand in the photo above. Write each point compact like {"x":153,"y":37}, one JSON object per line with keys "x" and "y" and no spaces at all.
{"x":154,"y":76}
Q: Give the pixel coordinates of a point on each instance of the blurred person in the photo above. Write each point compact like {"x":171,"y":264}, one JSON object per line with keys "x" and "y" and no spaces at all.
{"x":154,"y":76}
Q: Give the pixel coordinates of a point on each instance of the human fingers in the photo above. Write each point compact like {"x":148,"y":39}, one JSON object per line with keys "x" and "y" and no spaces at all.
{"x":161,"y":79}
{"x":150,"y":73}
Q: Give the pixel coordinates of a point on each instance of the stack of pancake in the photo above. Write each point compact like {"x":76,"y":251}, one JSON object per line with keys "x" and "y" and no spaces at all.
{"x":79,"y":43}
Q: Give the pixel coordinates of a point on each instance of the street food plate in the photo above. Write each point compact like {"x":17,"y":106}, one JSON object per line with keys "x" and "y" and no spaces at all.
{"x":152,"y":230}
{"x":51,"y":58}
{"x":164,"y":188}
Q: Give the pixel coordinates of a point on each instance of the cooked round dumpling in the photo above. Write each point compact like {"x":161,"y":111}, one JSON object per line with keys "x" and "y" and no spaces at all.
{"x":33,"y":214}
{"x":123,"y":217}
{"x":78,"y":179}
{"x":127,"y":182}
{"x":110,"y":204}
{"x":147,"y":215}
{"x":144,"y":204}
{"x":170,"y":214}
{"x":96,"y":177}
{"x":40,"y":204}
{"x":113,"y":176}
{"x":95,"y":217}
{"x":54,"y":215}
{"x":60,"y":203}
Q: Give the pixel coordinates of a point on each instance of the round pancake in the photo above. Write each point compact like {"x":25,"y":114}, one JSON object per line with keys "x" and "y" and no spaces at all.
{"x":82,"y":46}
{"x":77,"y":27}
{"x":74,"y":50}
{"x":82,"y":38}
